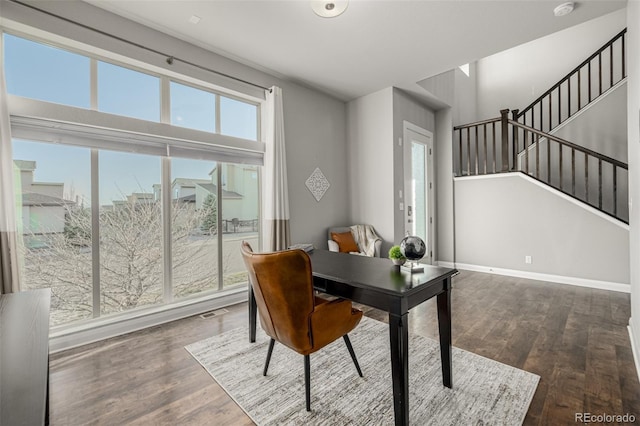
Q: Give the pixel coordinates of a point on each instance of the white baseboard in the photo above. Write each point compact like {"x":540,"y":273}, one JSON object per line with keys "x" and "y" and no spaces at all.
{"x":633,"y":348}
{"x":72,"y":337}
{"x":446,"y":264}
{"x":581,"y":282}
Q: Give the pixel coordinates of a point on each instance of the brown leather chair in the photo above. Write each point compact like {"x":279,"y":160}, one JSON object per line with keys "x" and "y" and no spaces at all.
{"x":290,"y":312}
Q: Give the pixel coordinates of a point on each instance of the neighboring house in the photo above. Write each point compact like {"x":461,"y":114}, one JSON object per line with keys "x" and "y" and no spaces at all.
{"x":239,"y":194}
{"x":43,"y":203}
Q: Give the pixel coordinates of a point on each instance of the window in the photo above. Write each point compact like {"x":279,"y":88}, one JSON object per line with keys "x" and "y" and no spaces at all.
{"x":194,"y":227}
{"x":130,"y":232}
{"x":54,"y":184}
{"x":126,"y":92}
{"x":95,"y":226}
{"x":193,"y":108}
{"x":37,"y":71}
{"x":238,"y":119}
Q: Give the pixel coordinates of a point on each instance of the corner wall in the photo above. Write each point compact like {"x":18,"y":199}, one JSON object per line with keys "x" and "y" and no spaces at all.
{"x":370,"y":163}
{"x":633,"y":126}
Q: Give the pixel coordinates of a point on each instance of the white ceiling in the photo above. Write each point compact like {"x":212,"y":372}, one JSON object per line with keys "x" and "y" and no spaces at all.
{"x":373,"y":45}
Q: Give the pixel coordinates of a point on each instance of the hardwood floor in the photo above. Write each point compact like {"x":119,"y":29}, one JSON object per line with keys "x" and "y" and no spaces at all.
{"x":574,"y":338}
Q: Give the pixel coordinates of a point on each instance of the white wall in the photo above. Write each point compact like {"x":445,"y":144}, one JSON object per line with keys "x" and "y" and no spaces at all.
{"x":516,"y":77}
{"x":315,"y":123}
{"x":500,"y":219}
{"x":633,"y":120}
{"x":370,"y":165}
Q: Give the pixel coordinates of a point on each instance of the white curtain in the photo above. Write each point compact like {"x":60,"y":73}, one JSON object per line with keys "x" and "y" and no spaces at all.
{"x":9,"y":269}
{"x":275,"y":195}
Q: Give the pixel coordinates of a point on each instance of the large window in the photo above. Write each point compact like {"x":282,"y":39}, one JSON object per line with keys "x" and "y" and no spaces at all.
{"x":113,"y":220}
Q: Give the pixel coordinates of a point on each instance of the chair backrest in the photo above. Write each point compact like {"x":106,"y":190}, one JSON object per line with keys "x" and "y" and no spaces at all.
{"x":283,"y":287}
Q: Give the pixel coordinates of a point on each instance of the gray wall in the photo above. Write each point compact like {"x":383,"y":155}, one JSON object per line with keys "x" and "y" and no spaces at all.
{"x":516,"y":77}
{"x":370,"y":166}
{"x":315,"y":123}
{"x":633,"y":120}
{"x":500,"y":219}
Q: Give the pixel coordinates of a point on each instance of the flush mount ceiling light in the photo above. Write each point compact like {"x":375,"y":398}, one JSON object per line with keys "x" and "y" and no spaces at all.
{"x":563,"y":9}
{"x":329,"y":9}
{"x":194,"y":19}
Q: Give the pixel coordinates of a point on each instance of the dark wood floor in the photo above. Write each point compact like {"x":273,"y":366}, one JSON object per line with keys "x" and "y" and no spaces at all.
{"x":574,"y":338}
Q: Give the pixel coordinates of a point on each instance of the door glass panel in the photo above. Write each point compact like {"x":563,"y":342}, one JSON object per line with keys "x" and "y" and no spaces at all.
{"x":130,"y":232}
{"x":53,"y":188}
{"x":419,"y":189}
{"x":194,"y":229}
{"x":239,"y":218}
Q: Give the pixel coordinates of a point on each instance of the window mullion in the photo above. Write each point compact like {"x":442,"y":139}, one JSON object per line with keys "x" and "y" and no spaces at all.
{"x":165,"y":199}
{"x":93,"y":82}
{"x":95,"y":231}
{"x":165,"y":100}
{"x":219,"y":224}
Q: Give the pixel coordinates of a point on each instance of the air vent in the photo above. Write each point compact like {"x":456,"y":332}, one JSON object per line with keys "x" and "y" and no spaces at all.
{"x":212,"y":314}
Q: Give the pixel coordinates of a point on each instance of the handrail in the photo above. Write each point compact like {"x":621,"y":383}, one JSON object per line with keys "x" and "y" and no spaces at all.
{"x":571,"y":145}
{"x":596,"y":179}
{"x":600,"y":73}
{"x":577,"y":69}
{"x":478,"y":123}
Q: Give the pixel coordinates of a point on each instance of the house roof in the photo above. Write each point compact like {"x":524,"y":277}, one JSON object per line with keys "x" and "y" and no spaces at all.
{"x":34,"y":199}
{"x":210,"y":187}
{"x":188,"y":182}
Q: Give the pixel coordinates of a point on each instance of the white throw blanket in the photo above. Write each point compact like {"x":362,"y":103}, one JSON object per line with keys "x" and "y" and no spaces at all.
{"x":365,"y":238}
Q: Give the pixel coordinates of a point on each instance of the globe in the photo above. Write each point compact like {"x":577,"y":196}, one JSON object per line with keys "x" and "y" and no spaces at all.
{"x":413,"y":248}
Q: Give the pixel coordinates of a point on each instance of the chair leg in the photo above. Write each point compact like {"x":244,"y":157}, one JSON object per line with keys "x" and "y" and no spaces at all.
{"x":266,"y":364}
{"x":352,"y":353}
{"x":307,"y":381}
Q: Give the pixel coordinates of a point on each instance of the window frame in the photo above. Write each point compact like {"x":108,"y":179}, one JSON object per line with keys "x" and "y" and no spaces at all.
{"x":34,"y":115}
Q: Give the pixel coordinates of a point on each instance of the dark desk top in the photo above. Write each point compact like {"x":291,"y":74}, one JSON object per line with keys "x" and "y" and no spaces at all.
{"x":374,"y":273}
{"x":24,"y":357}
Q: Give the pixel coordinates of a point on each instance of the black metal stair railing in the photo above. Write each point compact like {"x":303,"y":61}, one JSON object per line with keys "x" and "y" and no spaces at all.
{"x":503,"y":145}
{"x":587,"y":82}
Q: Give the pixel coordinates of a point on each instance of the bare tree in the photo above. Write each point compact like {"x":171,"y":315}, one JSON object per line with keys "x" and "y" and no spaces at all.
{"x":131,"y":258}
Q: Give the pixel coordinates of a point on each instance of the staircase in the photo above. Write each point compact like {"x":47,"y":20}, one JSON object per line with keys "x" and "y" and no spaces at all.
{"x":523,"y":141}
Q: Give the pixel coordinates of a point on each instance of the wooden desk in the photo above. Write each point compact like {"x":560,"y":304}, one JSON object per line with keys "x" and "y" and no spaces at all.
{"x":24,"y":358}
{"x":377,"y":283}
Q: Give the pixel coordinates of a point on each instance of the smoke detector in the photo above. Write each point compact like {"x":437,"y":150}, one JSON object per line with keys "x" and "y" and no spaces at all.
{"x":564,"y":9}
{"x":329,"y":9}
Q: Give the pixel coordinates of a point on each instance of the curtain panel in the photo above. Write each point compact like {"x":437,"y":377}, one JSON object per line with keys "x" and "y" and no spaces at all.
{"x":275,"y":196}
{"x":9,"y":269}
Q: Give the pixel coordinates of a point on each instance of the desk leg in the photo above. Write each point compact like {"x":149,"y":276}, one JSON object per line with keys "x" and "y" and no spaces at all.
{"x":252,"y":315}
{"x":400,"y":367}
{"x":444,"y":324}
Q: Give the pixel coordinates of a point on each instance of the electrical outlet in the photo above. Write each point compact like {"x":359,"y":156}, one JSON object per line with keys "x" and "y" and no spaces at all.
{"x":527,"y":259}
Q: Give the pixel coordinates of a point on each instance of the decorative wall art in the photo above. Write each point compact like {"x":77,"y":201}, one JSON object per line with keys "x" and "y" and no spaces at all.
{"x":317,"y":184}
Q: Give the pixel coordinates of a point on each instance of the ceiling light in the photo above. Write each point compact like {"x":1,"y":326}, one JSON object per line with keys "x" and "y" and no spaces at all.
{"x":194,"y":19}
{"x":563,"y":9}
{"x":329,"y":9}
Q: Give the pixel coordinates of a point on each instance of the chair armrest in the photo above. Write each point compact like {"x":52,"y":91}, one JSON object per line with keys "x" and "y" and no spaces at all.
{"x":378,"y":248}
{"x":333,"y":246}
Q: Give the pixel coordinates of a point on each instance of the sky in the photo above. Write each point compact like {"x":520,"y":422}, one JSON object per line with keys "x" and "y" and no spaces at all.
{"x":50,"y":74}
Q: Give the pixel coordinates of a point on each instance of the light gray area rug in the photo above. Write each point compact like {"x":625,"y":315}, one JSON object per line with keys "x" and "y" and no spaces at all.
{"x":484,"y":391}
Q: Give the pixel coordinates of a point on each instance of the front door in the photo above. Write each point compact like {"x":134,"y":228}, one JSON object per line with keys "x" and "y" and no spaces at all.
{"x":418,"y":187}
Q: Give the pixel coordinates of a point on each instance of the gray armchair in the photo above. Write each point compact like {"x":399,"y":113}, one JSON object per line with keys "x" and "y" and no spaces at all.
{"x":333,"y":246}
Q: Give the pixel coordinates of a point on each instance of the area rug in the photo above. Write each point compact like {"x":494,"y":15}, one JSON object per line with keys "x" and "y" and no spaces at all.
{"x":484,"y":391}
